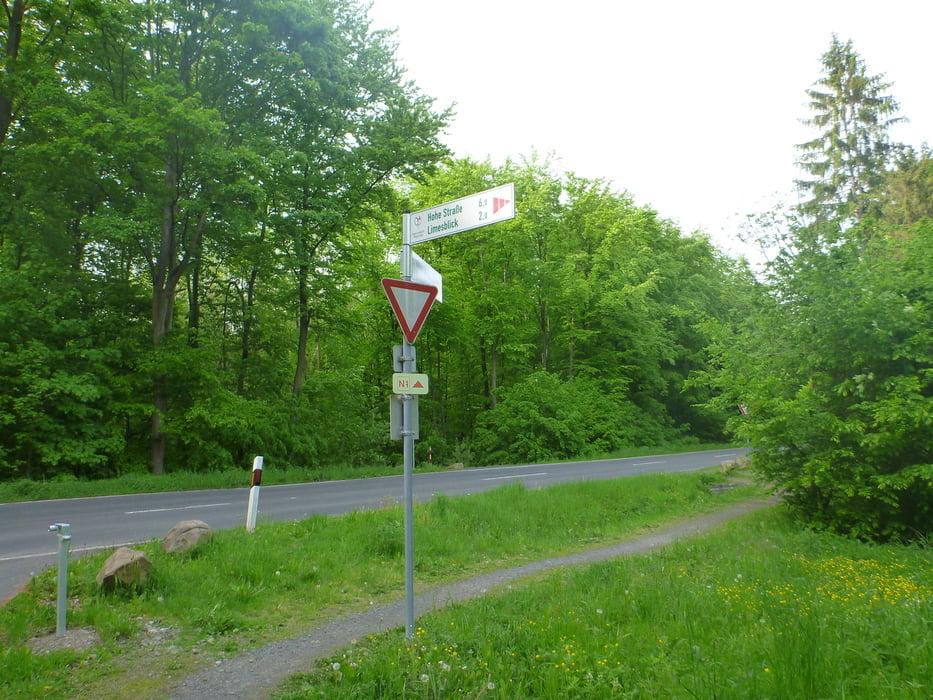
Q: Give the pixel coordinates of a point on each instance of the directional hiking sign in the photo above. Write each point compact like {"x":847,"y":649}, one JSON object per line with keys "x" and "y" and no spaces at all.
{"x":411,"y":302}
{"x":473,"y":211}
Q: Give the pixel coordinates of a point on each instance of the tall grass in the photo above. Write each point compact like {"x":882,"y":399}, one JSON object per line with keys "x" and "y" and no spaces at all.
{"x":241,"y":590}
{"x":759,"y":610}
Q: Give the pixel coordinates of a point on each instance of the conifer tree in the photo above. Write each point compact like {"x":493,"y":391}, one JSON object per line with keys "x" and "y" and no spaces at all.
{"x":847,"y":161}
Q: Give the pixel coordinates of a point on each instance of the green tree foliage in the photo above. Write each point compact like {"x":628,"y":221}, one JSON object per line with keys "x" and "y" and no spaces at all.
{"x":197,"y":201}
{"x":834,"y":363}
{"x":836,"y":372}
{"x":59,"y":411}
{"x":203,"y":178}
{"x":583,"y":288}
{"x":847,"y":161}
{"x":908,"y":188}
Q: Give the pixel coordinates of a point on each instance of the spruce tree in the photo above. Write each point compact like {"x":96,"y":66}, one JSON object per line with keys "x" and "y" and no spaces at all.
{"x":847,"y":161}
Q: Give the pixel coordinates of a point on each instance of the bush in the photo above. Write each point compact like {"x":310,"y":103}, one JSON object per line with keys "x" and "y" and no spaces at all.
{"x":838,"y":376}
{"x":545,"y":418}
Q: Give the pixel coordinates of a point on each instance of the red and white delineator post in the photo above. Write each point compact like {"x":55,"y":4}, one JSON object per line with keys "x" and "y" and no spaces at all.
{"x":253,"y":507}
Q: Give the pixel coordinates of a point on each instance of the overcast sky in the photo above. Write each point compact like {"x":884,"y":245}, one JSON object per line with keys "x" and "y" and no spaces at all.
{"x":693,"y":108}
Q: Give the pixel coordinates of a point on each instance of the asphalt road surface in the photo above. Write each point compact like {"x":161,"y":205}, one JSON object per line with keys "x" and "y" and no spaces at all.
{"x":27,"y":546}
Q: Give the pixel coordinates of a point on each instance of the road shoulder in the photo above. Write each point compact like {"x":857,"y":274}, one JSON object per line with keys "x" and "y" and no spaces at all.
{"x":257,"y":673}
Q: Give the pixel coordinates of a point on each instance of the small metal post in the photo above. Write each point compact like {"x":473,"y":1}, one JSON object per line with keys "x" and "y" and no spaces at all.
{"x":63,"y":530}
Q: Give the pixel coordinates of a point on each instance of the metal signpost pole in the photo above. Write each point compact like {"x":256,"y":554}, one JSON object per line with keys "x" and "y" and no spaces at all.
{"x":408,"y":449}
{"x":411,"y":309}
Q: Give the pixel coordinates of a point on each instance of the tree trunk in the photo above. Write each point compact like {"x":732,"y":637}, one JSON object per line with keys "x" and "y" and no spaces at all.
{"x":544,"y":323}
{"x":304,"y":323}
{"x":493,"y":374}
{"x":163,"y":306}
{"x":571,"y":348}
{"x":11,"y":51}
{"x":484,"y":369}
{"x":246,"y":336}
{"x":168,"y":267}
{"x":194,"y":305}
{"x":163,"y":301}
{"x":157,"y":441}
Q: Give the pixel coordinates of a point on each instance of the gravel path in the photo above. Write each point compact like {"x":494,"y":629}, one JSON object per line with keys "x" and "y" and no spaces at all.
{"x":257,"y":673}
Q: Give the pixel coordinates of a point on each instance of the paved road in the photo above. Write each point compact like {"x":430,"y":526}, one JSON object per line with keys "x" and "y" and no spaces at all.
{"x":27,"y":546}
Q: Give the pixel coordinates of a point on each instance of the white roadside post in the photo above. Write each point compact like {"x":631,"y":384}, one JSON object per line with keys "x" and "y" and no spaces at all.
{"x":411,"y":302}
{"x":253,"y":506}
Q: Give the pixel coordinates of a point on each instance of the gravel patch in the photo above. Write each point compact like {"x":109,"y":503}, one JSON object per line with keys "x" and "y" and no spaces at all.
{"x":254,"y":675}
{"x":72,"y":639}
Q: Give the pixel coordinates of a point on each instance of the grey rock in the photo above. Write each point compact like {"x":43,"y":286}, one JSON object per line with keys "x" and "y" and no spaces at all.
{"x":125,"y":567}
{"x":185,"y":536}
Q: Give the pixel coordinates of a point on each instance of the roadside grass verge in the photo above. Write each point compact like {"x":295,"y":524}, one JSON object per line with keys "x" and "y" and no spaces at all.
{"x":759,"y":609}
{"x":72,"y":487}
{"x":242,"y":590}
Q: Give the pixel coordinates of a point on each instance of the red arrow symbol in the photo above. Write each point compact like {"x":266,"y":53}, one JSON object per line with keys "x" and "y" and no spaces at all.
{"x":498,"y":203}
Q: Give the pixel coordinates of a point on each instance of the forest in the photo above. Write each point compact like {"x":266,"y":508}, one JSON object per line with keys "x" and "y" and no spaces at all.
{"x":198,"y":200}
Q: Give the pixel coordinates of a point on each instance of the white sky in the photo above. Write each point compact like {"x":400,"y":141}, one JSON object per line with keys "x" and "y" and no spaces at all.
{"x":692,"y":107}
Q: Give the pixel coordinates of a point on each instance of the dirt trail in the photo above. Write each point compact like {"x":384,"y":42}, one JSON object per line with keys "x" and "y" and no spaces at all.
{"x":256,"y":674}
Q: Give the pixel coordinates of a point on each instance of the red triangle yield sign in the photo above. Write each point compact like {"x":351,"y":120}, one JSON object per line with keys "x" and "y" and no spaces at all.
{"x":498,"y":203}
{"x":411,"y":303}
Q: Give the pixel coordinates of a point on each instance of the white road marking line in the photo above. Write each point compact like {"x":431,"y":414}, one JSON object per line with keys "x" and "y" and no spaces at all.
{"x":514,"y":476}
{"x":164,"y":510}
{"x":93,"y":548}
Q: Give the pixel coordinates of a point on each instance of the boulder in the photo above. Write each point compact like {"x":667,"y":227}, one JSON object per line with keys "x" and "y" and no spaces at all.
{"x":185,"y":536}
{"x":125,"y":567}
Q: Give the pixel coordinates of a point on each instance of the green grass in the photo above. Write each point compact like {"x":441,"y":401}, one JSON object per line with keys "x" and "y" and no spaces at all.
{"x":241,"y":590}
{"x":760,"y":609}
{"x":71,"y":487}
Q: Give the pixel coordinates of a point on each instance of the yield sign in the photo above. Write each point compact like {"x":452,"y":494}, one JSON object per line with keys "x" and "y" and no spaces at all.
{"x":411,"y":303}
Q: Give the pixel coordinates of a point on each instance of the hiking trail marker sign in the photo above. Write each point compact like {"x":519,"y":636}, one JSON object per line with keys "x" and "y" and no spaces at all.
{"x":403,"y":383}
